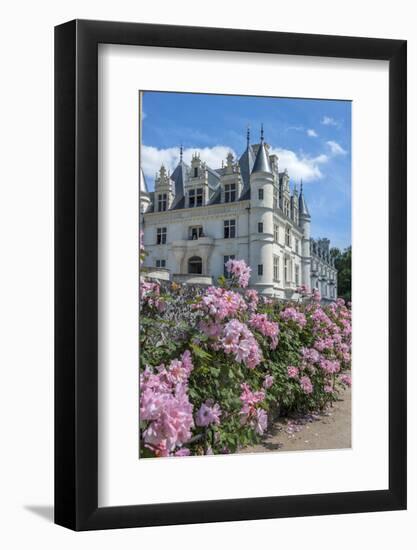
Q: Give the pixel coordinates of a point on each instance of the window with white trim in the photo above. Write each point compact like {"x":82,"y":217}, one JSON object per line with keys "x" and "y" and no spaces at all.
{"x":195,"y":197}
{"x":162,"y":202}
{"x":230,"y":192}
{"x":276,"y":268}
{"x":297,"y":275}
{"x":229,"y":229}
{"x":161,"y":235}
{"x":195,"y":232}
{"x":287,"y":236}
{"x":276,"y":232}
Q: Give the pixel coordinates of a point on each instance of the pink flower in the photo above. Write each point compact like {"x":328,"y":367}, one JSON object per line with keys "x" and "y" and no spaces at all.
{"x":259,"y":421}
{"x":166,"y":413}
{"x":303,"y":290}
{"x":240,"y":271}
{"x":315,"y":295}
{"x":173,"y":423}
{"x":323,"y":343}
{"x":292,"y":372}
{"x":260,"y":322}
{"x":238,"y":340}
{"x":208,"y":413}
{"x":250,"y":398}
{"x":345,"y":379}
{"x":328,"y":388}
{"x":330,"y":367}
{"x":291,"y":314}
{"x":149,"y":293}
{"x":220,"y":303}
{"x":268,"y":381}
{"x":253,"y":298}
{"x":310,"y":355}
{"x":306,"y":384}
{"x":182,"y":452}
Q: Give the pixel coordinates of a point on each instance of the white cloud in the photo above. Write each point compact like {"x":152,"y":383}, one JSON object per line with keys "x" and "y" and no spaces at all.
{"x":300,"y":166}
{"x":312,"y":133}
{"x":296,"y":128}
{"x":152,"y":157}
{"x":335,"y":148}
{"x":328,"y":121}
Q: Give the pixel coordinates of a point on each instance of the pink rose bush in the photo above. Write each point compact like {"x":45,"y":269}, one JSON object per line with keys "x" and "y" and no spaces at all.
{"x":239,"y":271}
{"x":218,"y":364}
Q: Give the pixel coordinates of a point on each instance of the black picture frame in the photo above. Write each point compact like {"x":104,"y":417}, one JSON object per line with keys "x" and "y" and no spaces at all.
{"x":76,"y":272}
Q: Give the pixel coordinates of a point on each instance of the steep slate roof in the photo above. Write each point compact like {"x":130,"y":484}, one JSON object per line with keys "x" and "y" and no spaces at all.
{"x":178,"y":176}
{"x":213,"y":178}
{"x":246,"y":163}
{"x":302,"y":205}
{"x":143,"y":187}
{"x":262,"y":163}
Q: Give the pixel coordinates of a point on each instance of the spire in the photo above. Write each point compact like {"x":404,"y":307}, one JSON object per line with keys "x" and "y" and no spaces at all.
{"x":248,"y":136}
{"x":262,"y":163}
{"x":302,"y":205}
{"x":181,"y":151}
{"x":143,"y":187}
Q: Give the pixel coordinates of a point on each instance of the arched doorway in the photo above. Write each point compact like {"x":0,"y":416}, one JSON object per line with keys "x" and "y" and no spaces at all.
{"x":195,"y":265}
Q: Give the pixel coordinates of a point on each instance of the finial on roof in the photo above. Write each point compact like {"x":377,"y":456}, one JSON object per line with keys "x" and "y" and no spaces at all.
{"x":248,"y":136}
{"x":302,"y":205}
{"x":262,"y":132}
{"x":262,"y":163}
{"x":181,"y":151}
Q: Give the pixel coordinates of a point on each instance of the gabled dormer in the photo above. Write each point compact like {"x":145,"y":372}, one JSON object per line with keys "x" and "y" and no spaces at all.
{"x":231,"y":181}
{"x":284,"y":193}
{"x":294,"y":205}
{"x":164,"y":190}
{"x":197,"y":185}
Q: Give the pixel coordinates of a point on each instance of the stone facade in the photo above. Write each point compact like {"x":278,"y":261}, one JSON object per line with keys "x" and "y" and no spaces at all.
{"x":198,"y":217}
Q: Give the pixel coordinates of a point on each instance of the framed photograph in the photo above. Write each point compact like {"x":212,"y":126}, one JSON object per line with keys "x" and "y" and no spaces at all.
{"x":230,"y":338}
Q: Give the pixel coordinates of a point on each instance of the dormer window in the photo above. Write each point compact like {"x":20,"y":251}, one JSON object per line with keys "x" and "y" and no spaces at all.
{"x":287,"y":208}
{"x":195,"y":197}
{"x":230,"y":192}
{"x":162,"y":202}
{"x":196,"y":172}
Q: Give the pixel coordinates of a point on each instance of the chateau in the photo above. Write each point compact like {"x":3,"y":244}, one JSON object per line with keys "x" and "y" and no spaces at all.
{"x":199,"y":217}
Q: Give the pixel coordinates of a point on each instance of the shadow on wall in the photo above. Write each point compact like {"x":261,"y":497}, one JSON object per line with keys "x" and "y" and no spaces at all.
{"x":45,"y":512}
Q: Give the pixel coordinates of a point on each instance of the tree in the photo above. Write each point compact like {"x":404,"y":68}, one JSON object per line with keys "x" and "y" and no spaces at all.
{"x":343,"y":264}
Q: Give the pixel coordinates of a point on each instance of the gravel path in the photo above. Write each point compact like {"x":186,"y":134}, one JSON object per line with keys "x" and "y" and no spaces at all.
{"x":330,"y":430}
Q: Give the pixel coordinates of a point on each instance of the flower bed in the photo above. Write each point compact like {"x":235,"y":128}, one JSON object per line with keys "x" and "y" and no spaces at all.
{"x":217,"y":363}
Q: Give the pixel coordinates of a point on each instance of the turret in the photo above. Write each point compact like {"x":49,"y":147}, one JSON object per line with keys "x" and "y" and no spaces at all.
{"x":144,"y":197}
{"x":262,"y":219}
{"x":304,"y":223}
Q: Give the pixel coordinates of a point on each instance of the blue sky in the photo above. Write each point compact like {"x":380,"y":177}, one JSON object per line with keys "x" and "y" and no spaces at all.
{"x":312,"y":139}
